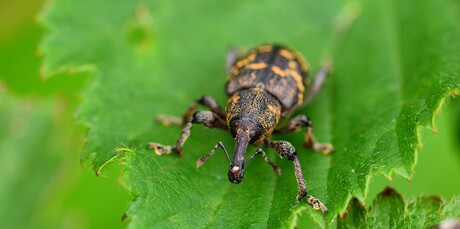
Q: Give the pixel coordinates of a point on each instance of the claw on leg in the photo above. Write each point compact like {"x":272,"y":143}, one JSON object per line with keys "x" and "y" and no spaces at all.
{"x":324,"y":148}
{"x":317,"y":205}
{"x":163,"y":149}
{"x":169,"y":120}
{"x":310,"y":141}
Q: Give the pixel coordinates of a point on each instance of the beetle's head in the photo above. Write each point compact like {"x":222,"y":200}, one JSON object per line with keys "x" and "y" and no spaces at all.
{"x":244,"y":132}
{"x":236,"y":173}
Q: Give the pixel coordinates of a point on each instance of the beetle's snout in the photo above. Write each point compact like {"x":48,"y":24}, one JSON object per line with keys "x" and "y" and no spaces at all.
{"x":235,"y":174}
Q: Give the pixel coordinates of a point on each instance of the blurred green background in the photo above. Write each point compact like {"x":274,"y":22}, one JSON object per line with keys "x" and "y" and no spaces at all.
{"x":43,"y":184}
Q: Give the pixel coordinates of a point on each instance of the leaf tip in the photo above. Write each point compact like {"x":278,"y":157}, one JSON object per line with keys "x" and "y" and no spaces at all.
{"x":441,"y":102}
{"x":388,"y":191}
{"x":124,"y":217}
{"x":449,"y":223}
{"x":344,"y":214}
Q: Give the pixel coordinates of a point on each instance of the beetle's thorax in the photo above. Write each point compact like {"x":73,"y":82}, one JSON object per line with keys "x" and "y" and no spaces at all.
{"x":256,"y":106}
{"x":252,"y":115}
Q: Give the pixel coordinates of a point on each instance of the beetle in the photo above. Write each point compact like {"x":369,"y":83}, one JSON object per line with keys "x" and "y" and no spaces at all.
{"x":265,"y":85}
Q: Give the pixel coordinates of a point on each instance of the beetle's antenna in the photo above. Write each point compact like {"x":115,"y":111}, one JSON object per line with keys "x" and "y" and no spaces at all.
{"x":273,"y":165}
{"x":203,"y":159}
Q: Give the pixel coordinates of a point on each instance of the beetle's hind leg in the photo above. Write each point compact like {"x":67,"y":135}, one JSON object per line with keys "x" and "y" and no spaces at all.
{"x":286,"y":150}
{"x":310,"y":141}
{"x":208,"y":118}
{"x":318,"y":82}
{"x":232,"y":55}
{"x":208,"y":101}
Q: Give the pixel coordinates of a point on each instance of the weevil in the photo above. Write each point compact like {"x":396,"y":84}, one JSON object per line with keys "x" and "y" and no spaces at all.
{"x":265,"y":85}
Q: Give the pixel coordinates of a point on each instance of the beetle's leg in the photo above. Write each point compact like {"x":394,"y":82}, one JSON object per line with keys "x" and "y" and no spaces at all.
{"x":276,"y":169}
{"x":286,"y":150}
{"x":204,"y":100}
{"x":208,"y":118}
{"x":310,"y":141}
{"x":203,"y":159}
{"x":318,"y":82}
{"x":232,"y":56}
{"x":207,"y":101}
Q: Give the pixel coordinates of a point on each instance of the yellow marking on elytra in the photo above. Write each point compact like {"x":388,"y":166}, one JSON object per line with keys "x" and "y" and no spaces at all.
{"x":286,"y":54}
{"x":292,"y":64}
{"x":278,"y":71}
{"x":234,"y":71}
{"x":257,"y":89}
{"x":251,"y":57}
{"x":272,"y":109}
{"x":299,"y":98}
{"x":256,"y":66}
{"x":297,"y":78}
{"x":266,"y":48}
{"x":303,"y":62}
{"x":299,"y":84}
{"x":245,"y":61}
{"x":241,"y":63}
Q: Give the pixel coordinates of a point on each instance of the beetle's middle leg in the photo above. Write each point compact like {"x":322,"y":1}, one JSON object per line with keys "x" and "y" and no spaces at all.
{"x":310,"y":141}
{"x":208,"y":118}
{"x":286,"y":150}
{"x":204,"y":100}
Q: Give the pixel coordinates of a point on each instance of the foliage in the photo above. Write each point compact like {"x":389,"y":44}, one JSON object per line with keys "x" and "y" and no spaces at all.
{"x":395,"y":67}
{"x":390,"y":210}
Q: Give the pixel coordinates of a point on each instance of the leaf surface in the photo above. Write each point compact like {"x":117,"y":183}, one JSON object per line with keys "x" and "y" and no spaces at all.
{"x":390,"y":210}
{"x":394,"y":68}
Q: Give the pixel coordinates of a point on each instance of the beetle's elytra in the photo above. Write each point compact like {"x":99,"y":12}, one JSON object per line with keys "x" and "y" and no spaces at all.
{"x":265,"y":85}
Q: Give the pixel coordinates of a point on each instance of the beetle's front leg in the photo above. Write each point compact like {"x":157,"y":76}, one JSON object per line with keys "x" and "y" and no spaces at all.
{"x":207,"y":101}
{"x":286,"y":150}
{"x":276,"y":169}
{"x":310,"y":141}
{"x":208,"y":118}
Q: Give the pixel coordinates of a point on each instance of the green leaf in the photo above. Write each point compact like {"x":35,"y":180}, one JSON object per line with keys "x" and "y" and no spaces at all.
{"x":390,"y":210}
{"x":26,"y":129}
{"x":395,"y":67}
{"x":36,"y":170}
